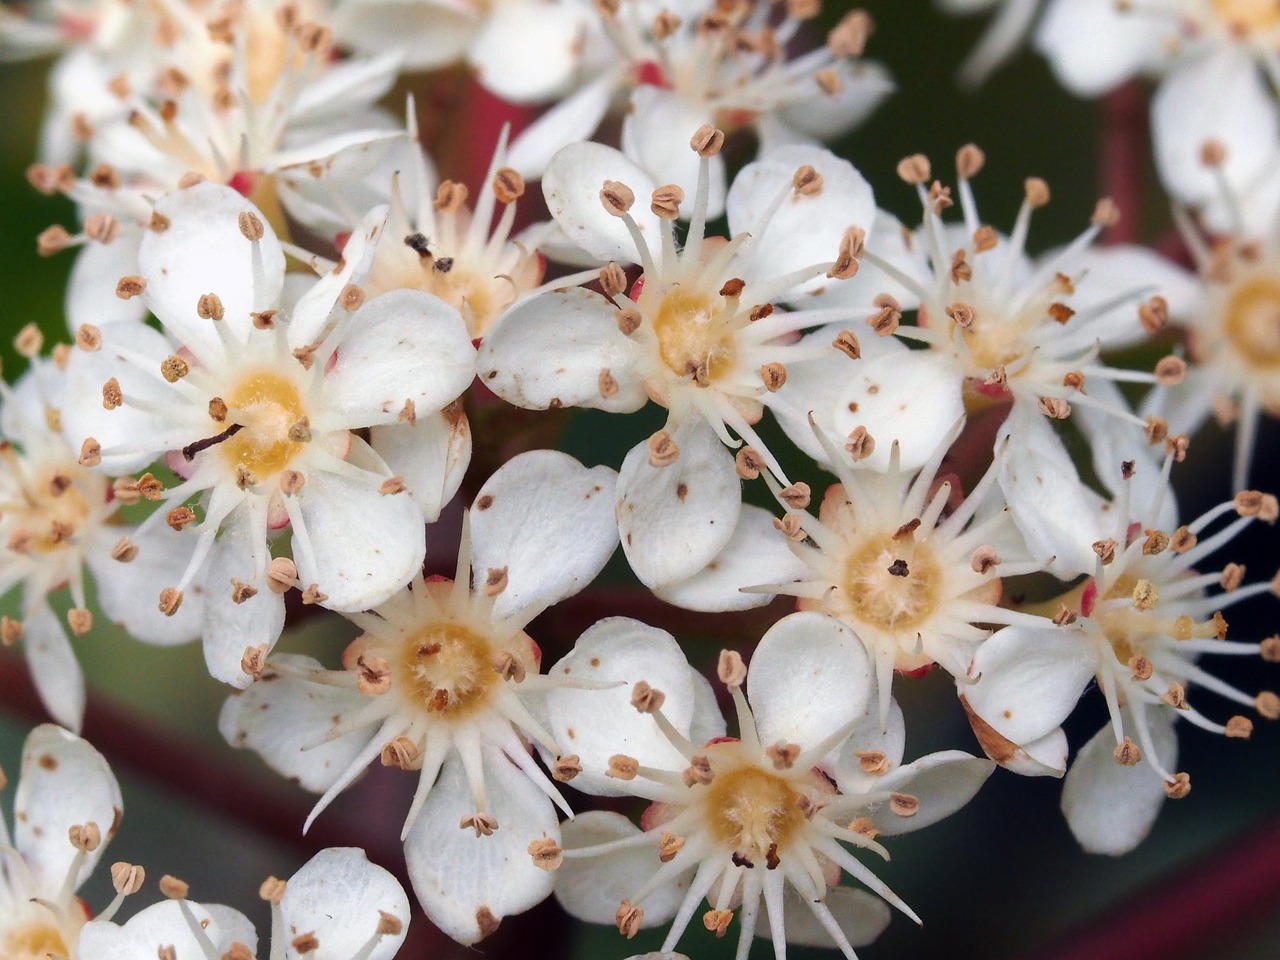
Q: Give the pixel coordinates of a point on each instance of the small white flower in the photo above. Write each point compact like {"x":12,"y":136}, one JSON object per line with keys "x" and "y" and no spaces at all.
{"x":445,"y":681}
{"x":67,"y":808}
{"x":256,"y":410}
{"x":755,"y":822}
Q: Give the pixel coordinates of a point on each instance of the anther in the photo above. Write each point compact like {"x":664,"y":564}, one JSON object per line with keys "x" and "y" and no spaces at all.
{"x":1055,"y":408}
{"x":179,"y":517}
{"x":1268,"y":705}
{"x":707,"y":141}
{"x":391,"y":486}
{"x":272,"y":890}
{"x":10,"y":631}
{"x":401,"y":753}
{"x":127,"y":878}
{"x":282,"y":574}
{"x":665,"y":202}
{"x":864,"y":827}
{"x":389,"y":925}
{"x":1105,"y":213}
{"x":253,"y":661}
{"x":699,"y":770}
{"x":1175,"y":696}
{"x":85,"y":837}
{"x":617,"y":198}
{"x":1232,"y":576}
{"x":622,"y":767}
{"x":717,"y":921}
{"x":1037,"y":192}
{"x":628,"y":321}
{"x":305,"y":943}
{"x":669,"y":844}
{"x":90,"y":453}
{"x":1127,"y":753}
{"x":859,"y":444}
{"x":240,"y":591}
{"x":1145,"y":595}
{"x":662,"y":450}
{"x":873,"y":762}
{"x":508,"y":185}
{"x":250,"y":225}
{"x":546,"y":854}
{"x":112,"y":396}
{"x":783,"y":755}
{"x":450,"y":197}
{"x":173,"y":888}
{"x":969,"y":161}
{"x":312,"y":595}
{"x":847,"y":344}
{"x":170,"y":601}
{"x":1239,"y":728}
{"x":1156,"y":543}
{"x":984,"y":560}
{"x":1141,"y":667}
{"x":483,"y":824}
{"x":851,"y":246}
{"x":1154,"y":315}
{"x":748,"y":463}
{"x":645,"y":698}
{"x":566,"y":768}
{"x":774,"y":376}
{"x":373,"y":676}
{"x":885,"y":322}
{"x":849,"y":37}
{"x":961,"y":314}
{"x":1170,"y":371}
{"x":731,"y":670}
{"x":807,"y":181}
{"x":495,"y":581}
{"x":797,"y":496}
{"x":903,"y":804}
{"x":29,"y":341}
{"x":914,"y":169}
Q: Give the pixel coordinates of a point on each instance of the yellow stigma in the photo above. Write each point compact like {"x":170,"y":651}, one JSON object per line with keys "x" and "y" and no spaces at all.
{"x":891,"y":584}
{"x":267,"y":406}
{"x":1248,"y":15}
{"x":449,"y":669}
{"x":1251,"y":320}
{"x":695,"y":335}
{"x":753,"y":811}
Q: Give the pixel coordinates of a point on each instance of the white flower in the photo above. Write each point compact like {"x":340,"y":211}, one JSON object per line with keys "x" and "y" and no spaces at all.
{"x":754,"y":822}
{"x":907,"y":565}
{"x":698,"y":334}
{"x":67,"y":808}
{"x":338,"y":906}
{"x":445,"y":681}
{"x":423,"y":34}
{"x":1009,"y":27}
{"x":1137,"y":626}
{"x":256,"y":411}
{"x":59,"y":520}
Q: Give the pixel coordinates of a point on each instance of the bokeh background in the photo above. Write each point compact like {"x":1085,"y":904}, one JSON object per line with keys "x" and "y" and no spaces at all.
{"x":1001,"y":879}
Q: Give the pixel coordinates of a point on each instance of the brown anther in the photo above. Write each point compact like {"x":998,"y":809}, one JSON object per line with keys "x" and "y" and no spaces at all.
{"x":566,"y":768}
{"x":495,"y":581}
{"x":1232,"y":576}
{"x":613,"y":280}
{"x":1268,"y":705}
{"x":758,"y":313}
{"x":961,"y":272}
{"x":314,"y":38}
{"x":915,"y":169}
{"x":774,"y":376}
{"x":166,"y":951}
{"x":272,"y":890}
{"x":864,"y":827}
{"x":617,"y":198}
{"x":698,"y":771}
{"x":391,"y":486}
{"x":10,"y":631}
{"x":707,"y":141}
{"x":129,"y":287}
{"x":173,"y":888}
{"x":351,"y":297}
{"x":645,"y":698}
{"x":245,"y":478}
{"x":662,"y":450}
{"x":209,"y":307}
{"x":85,"y":837}
{"x":732,"y":288}
{"x":508,"y":185}
{"x":1239,"y":728}
{"x":873,"y":762}
{"x":450,"y":197}
{"x":629,"y":919}
{"x":846,"y":263}
{"x":174,"y":369}
{"x":903,"y":804}
{"x":101,"y":227}
{"x":1154,"y":315}
{"x":409,"y":413}
{"x":847,"y":343}
{"x":849,"y":37}
{"x":29,"y":341}
{"x":665,"y":202}
{"x":508,"y":666}
{"x":291,"y":481}
{"x":305,"y":943}
{"x":664,"y":25}
{"x":748,"y":463}
{"x":1170,"y":371}
{"x":112,"y":396}
{"x":1248,"y":503}
{"x":389,"y":925}
{"x":803,"y":9}
{"x":250,"y":225}
{"x":984,"y":239}
{"x":828,"y":81}
{"x":622,"y":767}
{"x":170,"y":601}
{"x":546,"y":854}
{"x":717,"y":921}
{"x":1073,"y":380}
{"x":401,"y":753}
{"x":240,"y":591}
{"x":90,"y":453}
{"x":783,"y":755}
{"x":1145,"y":595}
{"x":312,"y":595}
{"x":1060,"y":312}
{"x":125,"y":550}
{"x":1213,"y":153}
{"x":253,"y":661}
{"x":266,"y":319}
{"x":1141,"y":667}
{"x":730,"y":669}
{"x":1055,"y":408}
{"x":969,"y":161}
{"x":1065,"y":616}
{"x":628,"y":321}
{"x":984,"y":560}
{"x":1037,"y":192}
{"x":1156,"y":543}
{"x":52,"y":240}
{"x":807,"y":181}
{"x":105,"y":176}
{"x":127,"y":878}
{"x":885,"y":322}
{"x":859,"y":444}
{"x":179,"y":517}
{"x":373,"y":676}
{"x":158,"y":223}
{"x":1127,"y":753}
{"x":1156,"y":429}
{"x":1105,"y":213}
{"x":237,"y":951}
{"x":607,"y":384}
{"x":961,"y":315}
{"x":797,"y":496}
{"x":1270,"y":649}
{"x":792,"y":526}
{"x":1219,"y":625}
{"x":669,"y":844}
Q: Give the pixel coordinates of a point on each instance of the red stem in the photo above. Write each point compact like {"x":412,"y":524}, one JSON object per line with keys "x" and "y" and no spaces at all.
{"x":1123,"y":154}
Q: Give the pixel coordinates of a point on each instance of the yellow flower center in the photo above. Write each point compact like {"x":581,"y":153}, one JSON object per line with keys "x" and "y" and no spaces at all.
{"x":753,"y":811}
{"x":267,"y":407}
{"x":1251,"y":320}
{"x":890,"y":584}
{"x":34,"y":941}
{"x":449,"y":669}
{"x":54,"y":509}
{"x":695,"y":336}
{"x":1248,"y":14}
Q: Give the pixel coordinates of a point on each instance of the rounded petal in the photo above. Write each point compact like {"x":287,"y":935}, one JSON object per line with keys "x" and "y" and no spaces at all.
{"x":553,"y":350}
{"x":808,"y":678}
{"x":1110,"y":808}
{"x":64,"y":783}
{"x":675,"y":519}
{"x":500,"y":53}
{"x":756,"y":553}
{"x":55,"y":671}
{"x":1107,"y":273}
{"x":548,"y":522}
{"x":467,"y":884}
{"x":572,"y":184}
{"x":1093,"y":46}
{"x":431,"y":456}
{"x":590,"y":888}
{"x":869,"y":737}
{"x":91,"y":289}
{"x":1029,"y":679}
{"x":404,"y":347}
{"x":574,"y":118}
{"x":246,"y":276}
{"x":599,"y":724}
{"x":656,"y":133}
{"x":282,"y":718}
{"x":864,"y":85}
{"x":162,"y":925}
{"x":120,"y":585}
{"x":862,"y":917}
{"x":942,"y":782}
{"x":339,"y":897}
{"x":366,"y":545}
{"x":426,"y":34}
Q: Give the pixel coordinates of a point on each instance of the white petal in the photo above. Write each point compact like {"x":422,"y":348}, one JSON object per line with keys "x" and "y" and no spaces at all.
{"x":655,"y":134}
{"x":552,"y":350}
{"x":431,"y":455}
{"x":572,"y":184}
{"x":501,"y":53}
{"x":404,"y":346}
{"x":862,"y":917}
{"x":231,"y":627}
{"x":64,"y":783}
{"x":913,"y":398}
{"x":163,"y":925}
{"x":869,"y":737}
{"x":91,"y":289}
{"x":338,"y":896}
{"x":1110,"y":808}
{"x":756,"y":553}
{"x":590,"y":888}
{"x":367,"y":545}
{"x":809,"y":676}
{"x":597,"y":724}
{"x":426,"y":34}
{"x":55,"y":671}
{"x":942,"y":782}
{"x":1111,"y":272}
{"x":674,"y":520}
{"x":120,"y":585}
{"x":890,"y":241}
{"x":460,"y":877}
{"x":574,"y":118}
{"x":807,"y":228}
{"x":345,"y":88}
{"x":318,"y":307}
{"x":1093,"y":46}
{"x":206,"y":218}
{"x":280,"y":716}
{"x":1029,"y":679}
{"x":548,"y":522}
{"x":1220,"y":97}
{"x":864,"y":85}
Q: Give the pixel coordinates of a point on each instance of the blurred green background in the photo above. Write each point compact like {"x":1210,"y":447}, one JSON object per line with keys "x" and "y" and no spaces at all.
{"x":1001,"y":879}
